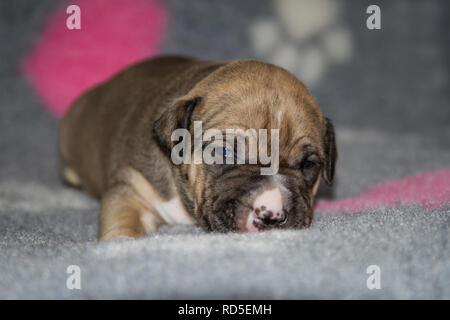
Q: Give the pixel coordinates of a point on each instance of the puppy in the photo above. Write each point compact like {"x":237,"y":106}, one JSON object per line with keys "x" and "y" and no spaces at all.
{"x":116,"y":143}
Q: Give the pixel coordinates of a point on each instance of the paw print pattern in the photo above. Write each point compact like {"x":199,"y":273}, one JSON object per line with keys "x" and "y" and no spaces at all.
{"x":305,"y":37}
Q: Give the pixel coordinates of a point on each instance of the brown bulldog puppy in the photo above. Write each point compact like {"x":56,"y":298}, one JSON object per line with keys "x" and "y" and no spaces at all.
{"x":116,"y":143}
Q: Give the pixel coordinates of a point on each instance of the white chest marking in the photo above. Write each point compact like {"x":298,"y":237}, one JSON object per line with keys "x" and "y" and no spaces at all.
{"x":173,"y":212}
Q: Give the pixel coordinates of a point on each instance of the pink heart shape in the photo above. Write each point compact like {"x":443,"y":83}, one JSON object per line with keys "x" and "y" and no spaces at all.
{"x":113,"y":34}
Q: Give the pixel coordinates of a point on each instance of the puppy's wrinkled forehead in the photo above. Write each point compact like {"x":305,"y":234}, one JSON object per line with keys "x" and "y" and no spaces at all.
{"x":251,"y":94}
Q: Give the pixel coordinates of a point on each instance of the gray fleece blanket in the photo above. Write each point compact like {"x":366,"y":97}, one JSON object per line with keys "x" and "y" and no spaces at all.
{"x":387,"y":92}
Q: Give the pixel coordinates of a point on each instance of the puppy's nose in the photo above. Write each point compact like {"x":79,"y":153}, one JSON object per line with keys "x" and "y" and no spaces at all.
{"x":267,"y":219}
{"x":267,"y":211}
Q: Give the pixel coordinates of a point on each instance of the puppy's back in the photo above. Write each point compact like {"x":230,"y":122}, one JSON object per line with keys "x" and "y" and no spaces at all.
{"x":106,"y":126}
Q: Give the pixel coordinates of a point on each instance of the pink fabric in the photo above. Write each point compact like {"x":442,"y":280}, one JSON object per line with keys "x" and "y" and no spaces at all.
{"x":113,"y":34}
{"x":430,"y":189}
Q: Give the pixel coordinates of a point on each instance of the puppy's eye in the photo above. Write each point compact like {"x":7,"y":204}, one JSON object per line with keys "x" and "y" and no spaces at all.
{"x":227,"y":153}
{"x":307,"y":164}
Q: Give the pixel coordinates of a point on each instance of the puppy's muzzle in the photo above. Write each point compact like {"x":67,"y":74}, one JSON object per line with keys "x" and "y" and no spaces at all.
{"x":266,"y":219}
{"x":267,"y":212}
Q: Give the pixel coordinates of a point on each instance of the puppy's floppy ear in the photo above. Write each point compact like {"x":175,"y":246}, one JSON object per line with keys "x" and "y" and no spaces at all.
{"x":176,"y":117}
{"x":330,"y":153}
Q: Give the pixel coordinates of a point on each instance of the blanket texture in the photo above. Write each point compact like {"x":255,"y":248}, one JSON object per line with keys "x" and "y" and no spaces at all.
{"x":386,"y":90}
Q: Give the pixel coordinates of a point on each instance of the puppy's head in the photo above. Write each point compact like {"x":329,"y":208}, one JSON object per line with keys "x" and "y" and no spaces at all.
{"x":245,"y":97}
